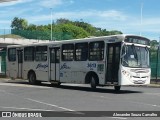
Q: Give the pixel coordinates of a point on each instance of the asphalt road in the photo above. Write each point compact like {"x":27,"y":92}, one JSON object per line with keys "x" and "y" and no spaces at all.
{"x":20,"y":96}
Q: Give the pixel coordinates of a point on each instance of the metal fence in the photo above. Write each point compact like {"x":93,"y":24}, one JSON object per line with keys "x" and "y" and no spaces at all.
{"x":35,"y":34}
{"x":155,"y":65}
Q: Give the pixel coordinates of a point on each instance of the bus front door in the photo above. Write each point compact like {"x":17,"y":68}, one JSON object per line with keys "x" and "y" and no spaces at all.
{"x":54,"y":64}
{"x":113,"y":58}
{"x":20,"y":63}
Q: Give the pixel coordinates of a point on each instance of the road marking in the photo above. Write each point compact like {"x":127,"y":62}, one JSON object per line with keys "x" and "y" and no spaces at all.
{"x":39,"y":101}
{"x":23,"y":85}
{"x":25,"y":108}
{"x":49,"y":104}
{"x":129,"y":100}
{"x":121,"y":118}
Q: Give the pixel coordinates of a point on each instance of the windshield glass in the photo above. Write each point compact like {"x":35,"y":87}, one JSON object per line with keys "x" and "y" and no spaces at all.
{"x":135,"y":56}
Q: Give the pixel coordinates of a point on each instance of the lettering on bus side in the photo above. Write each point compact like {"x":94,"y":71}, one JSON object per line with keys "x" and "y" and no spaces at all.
{"x":64,"y":66}
{"x":40,"y":65}
{"x":91,"y":66}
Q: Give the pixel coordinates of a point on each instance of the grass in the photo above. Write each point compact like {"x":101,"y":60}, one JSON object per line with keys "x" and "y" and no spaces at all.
{"x":11,"y":36}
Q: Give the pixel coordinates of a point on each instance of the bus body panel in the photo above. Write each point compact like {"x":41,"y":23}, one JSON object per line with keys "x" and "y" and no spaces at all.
{"x":12,"y":68}
{"x":40,"y":69}
{"x":15,"y":65}
{"x":135,"y":76}
{"x":75,"y":72}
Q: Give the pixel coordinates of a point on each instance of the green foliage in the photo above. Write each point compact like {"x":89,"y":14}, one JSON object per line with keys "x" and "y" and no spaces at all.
{"x":63,"y":29}
{"x":153,"y":49}
{"x":69,"y":31}
{"x":19,"y":24}
{"x":153,"y":45}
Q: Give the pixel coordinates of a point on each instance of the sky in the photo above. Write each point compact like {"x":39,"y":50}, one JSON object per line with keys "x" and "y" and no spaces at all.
{"x":139,"y":17}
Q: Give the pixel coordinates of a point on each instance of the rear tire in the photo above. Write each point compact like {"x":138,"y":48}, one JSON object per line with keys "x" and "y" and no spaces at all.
{"x":93,"y":82}
{"x":32,"y":78}
{"x":117,"y":88}
{"x":56,"y":84}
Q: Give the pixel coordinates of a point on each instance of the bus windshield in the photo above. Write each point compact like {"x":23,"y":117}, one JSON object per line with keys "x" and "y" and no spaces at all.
{"x":135,"y":56}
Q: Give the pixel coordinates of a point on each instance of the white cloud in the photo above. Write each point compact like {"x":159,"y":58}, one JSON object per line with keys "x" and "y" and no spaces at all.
{"x":12,"y":12}
{"x":4,"y":22}
{"x":50,"y":3}
{"x":114,"y":14}
{"x":93,"y":15}
{"x":54,"y":3}
{"x":11,"y":3}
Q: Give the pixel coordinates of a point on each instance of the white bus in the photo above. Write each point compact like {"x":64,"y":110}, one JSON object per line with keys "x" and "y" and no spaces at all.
{"x":115,"y":60}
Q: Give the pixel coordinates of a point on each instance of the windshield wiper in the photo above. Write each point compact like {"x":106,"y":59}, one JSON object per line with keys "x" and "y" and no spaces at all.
{"x":135,"y":52}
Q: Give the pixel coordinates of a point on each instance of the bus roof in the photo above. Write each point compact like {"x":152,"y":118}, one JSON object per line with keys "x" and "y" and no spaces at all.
{"x":120,"y":37}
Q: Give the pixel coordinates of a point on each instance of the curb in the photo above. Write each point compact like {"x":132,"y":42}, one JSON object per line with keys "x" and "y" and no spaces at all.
{"x":153,"y":86}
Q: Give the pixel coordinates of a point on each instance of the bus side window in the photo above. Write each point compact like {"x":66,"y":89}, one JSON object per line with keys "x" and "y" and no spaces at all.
{"x":41,"y":53}
{"x":67,"y":52}
{"x":29,"y":53}
{"x":81,"y":51}
{"x":96,"y":51}
{"x":12,"y":54}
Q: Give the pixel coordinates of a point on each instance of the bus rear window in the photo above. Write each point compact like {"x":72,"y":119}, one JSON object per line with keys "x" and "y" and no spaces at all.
{"x":12,"y":54}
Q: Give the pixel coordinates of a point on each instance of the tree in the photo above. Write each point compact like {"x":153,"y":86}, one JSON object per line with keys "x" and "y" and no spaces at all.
{"x":62,"y":29}
{"x":68,"y":31}
{"x":32,"y":27}
{"x":63,"y":21}
{"x":86,"y":26}
{"x":19,"y":24}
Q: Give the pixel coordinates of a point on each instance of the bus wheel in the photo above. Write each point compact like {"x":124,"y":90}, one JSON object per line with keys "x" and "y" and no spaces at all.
{"x":117,"y":88}
{"x":32,"y":78}
{"x":56,"y":84}
{"x":93,"y":82}
{"x":59,"y":83}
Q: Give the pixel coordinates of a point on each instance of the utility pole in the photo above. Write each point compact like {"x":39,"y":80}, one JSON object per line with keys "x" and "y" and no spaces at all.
{"x":141,"y":18}
{"x":157,"y":61}
{"x":51,"y":24}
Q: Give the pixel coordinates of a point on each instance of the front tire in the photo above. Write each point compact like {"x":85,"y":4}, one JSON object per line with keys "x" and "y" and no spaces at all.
{"x":117,"y":88}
